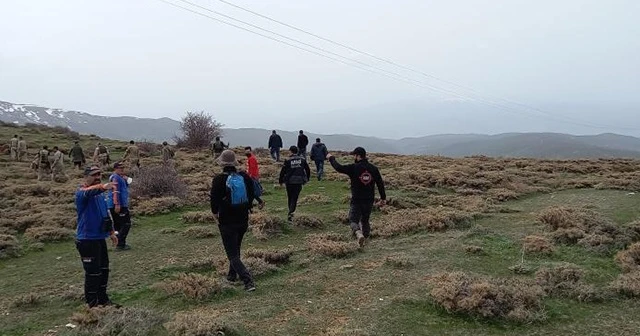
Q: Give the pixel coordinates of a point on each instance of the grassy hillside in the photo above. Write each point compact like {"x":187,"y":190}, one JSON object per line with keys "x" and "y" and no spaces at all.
{"x":466,"y":246}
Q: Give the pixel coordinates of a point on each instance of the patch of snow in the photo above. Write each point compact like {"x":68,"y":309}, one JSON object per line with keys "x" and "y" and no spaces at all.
{"x":11,"y":109}
{"x":49,"y":112}
{"x":16,"y":122}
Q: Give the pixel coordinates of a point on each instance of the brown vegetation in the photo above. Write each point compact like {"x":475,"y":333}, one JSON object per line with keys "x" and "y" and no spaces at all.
{"x":276,"y":257}
{"x":199,"y":323}
{"x":538,"y":244}
{"x":9,"y":246}
{"x":48,"y":234}
{"x":309,"y":221}
{"x":199,"y":232}
{"x":198,"y":217}
{"x":264,"y":225}
{"x":566,"y":280}
{"x":629,"y":259}
{"x":192,"y":286}
{"x":331,"y":245}
{"x":105,"y":321}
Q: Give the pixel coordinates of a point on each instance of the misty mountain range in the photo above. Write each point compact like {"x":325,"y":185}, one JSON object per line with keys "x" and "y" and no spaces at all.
{"x":538,"y":145}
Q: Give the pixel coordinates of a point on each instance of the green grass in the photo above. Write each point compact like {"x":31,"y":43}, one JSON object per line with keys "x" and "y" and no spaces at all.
{"x":317,"y":295}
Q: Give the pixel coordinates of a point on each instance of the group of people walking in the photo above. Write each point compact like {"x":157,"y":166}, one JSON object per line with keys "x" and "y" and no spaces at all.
{"x":103,"y":210}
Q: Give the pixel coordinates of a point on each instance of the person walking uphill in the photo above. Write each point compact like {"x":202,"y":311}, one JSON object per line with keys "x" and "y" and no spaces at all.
{"x":303,"y":142}
{"x":167,"y":153}
{"x":14,"y":147}
{"x":232,"y":196}
{"x":57,"y":167}
{"x":77,"y":155}
{"x":118,"y":202}
{"x":22,"y":148}
{"x":254,"y":172}
{"x":132,"y":154}
{"x":318,"y":156}
{"x":294,"y":174}
{"x":217,"y":147}
{"x":364,"y":177}
{"x":42,"y":160}
{"x":275,"y":144}
{"x":101,"y":155}
{"x":94,"y":226}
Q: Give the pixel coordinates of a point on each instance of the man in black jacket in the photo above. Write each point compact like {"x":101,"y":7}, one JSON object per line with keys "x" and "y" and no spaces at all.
{"x":318,"y":156}
{"x":294,"y":174}
{"x":303,"y":142}
{"x":275,"y":144}
{"x":232,"y":196}
{"x":364,"y":177}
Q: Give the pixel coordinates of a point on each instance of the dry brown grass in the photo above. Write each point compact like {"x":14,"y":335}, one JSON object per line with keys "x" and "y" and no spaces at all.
{"x":264,"y":225}
{"x":9,"y":246}
{"x":315,"y":199}
{"x":489,"y":298}
{"x":415,"y":220}
{"x":199,"y":232}
{"x":276,"y":257}
{"x":199,"y":323}
{"x":566,"y":280}
{"x":538,"y":244}
{"x":399,"y":261}
{"x":27,"y":300}
{"x":198,"y":217}
{"x":106,"y":321}
{"x":258,"y":266}
{"x":169,"y":230}
{"x":341,"y":216}
{"x":192,"y":286}
{"x":628,"y":284}
{"x":629,"y":259}
{"x":46,"y":234}
{"x":473,"y":249}
{"x":158,"y":205}
{"x":202,"y":263}
{"x":308,"y":221}
{"x":331,"y":245}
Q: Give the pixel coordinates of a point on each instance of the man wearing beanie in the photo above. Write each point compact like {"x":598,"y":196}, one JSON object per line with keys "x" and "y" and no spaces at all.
{"x":294,"y":174}
{"x":94,"y":226}
{"x":232,"y":196}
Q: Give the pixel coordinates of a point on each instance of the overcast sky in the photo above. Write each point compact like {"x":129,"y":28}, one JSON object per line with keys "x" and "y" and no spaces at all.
{"x":148,"y":59}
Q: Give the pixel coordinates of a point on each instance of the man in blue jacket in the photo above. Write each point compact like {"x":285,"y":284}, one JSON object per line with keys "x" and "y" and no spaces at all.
{"x":118,"y":203}
{"x":94,"y":226}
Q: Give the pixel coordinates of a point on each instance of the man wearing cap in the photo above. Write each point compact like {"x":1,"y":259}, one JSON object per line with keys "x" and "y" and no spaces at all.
{"x":118,"y":202}
{"x":94,"y":226}
{"x":77,"y":155}
{"x":364,"y":177}
{"x":318,"y":156}
{"x":294,"y":174}
{"x":233,"y":216}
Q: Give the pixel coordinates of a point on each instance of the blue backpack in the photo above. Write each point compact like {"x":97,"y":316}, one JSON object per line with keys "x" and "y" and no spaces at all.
{"x":237,"y":190}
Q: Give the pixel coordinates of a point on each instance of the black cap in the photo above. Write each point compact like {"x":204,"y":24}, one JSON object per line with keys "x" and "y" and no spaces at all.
{"x":118,"y":165}
{"x":359,"y":151}
{"x":91,"y":170}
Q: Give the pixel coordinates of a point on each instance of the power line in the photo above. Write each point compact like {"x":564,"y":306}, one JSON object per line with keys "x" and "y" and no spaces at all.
{"x":404,"y":67}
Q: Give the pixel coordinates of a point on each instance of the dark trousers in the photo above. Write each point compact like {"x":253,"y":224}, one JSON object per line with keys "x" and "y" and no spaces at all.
{"x":77,"y":164}
{"x":359,"y":216}
{"x":319,"y":168}
{"x":232,"y":233}
{"x":293,"y":192}
{"x":275,"y":154}
{"x":122,"y":224}
{"x":95,"y":261}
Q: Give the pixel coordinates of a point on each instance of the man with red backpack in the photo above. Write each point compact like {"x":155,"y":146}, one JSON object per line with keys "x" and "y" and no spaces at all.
{"x":232,"y":195}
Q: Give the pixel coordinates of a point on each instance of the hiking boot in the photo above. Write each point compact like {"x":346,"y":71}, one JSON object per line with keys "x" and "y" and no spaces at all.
{"x":123,"y":248}
{"x":290,"y":218}
{"x":250,"y":287}
{"x":360,"y":238}
{"x":261,"y":205}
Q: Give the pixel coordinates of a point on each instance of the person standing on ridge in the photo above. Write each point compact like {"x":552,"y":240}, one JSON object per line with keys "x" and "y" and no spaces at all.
{"x":167,"y":153}
{"x":364,"y":177}
{"x":22,"y":148}
{"x":294,"y":174}
{"x":94,"y":226}
{"x":217,"y":147}
{"x":57,"y":167}
{"x":275,"y":144}
{"x":118,"y":203}
{"x":14,"y":147}
{"x":231,"y":201}
{"x":318,"y":156}
{"x":132,"y":155}
{"x":303,"y":142}
{"x":254,"y":172}
{"x":77,"y":155}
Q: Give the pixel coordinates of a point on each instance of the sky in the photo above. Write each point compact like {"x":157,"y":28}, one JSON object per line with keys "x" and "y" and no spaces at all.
{"x":574,"y":64}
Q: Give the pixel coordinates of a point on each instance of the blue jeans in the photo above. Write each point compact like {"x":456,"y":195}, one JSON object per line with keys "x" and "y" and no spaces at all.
{"x":319,"y":168}
{"x":275,"y":154}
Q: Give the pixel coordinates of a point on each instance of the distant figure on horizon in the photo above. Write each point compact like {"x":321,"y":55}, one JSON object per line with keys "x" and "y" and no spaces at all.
{"x":294,"y":174}
{"x":275,"y":144}
{"x":217,"y":147}
{"x":303,"y":142}
{"x":167,"y":153}
{"x":101,"y":155}
{"x":132,"y":155}
{"x":318,"y":156}
{"x":76,"y":154}
{"x":22,"y":148}
{"x":364,"y":177}
{"x":14,"y":148}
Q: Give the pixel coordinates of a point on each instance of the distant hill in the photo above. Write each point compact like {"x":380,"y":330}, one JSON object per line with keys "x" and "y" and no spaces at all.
{"x":536,"y":145}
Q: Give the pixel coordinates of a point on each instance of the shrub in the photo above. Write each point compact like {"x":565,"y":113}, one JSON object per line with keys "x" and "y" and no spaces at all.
{"x":199,"y":323}
{"x":202,"y":263}
{"x":398,"y":261}
{"x":9,"y":246}
{"x":489,"y":298}
{"x":199,"y":232}
{"x":258,"y":266}
{"x":415,"y":220}
{"x":566,"y":280}
{"x":46,"y":234}
{"x":308,"y":221}
{"x":159,"y":205}
{"x":629,"y":259}
{"x":198,"y":217}
{"x":199,"y":130}
{"x":473,"y":249}
{"x":628,"y":284}
{"x":331,"y":245}
{"x":158,"y":181}
{"x":264,"y":225}
{"x":341,"y":216}
{"x":276,"y":257}
{"x":26,"y":300}
{"x":106,"y":321}
{"x":315,"y":199}
{"x":191,"y":285}
{"x":538,"y":244}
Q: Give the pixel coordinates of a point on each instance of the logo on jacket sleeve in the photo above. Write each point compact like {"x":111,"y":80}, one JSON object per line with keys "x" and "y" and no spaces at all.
{"x":366,"y":178}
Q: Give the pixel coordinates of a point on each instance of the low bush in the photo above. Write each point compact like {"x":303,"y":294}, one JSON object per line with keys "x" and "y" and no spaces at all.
{"x":158,"y":205}
{"x":26,"y":300}
{"x":106,"y":321}
{"x":192,"y":286}
{"x":46,"y":234}
{"x":628,"y":284}
{"x":308,"y":221}
{"x":264,"y":225}
{"x":331,"y":245}
{"x":199,"y":232}
{"x":538,"y":244}
{"x":198,"y":217}
{"x":566,"y":280}
{"x":199,"y":323}
{"x":276,"y":257}
{"x":629,"y":259}
{"x":158,"y":181}
{"x":258,"y":266}
{"x":9,"y":246}
{"x":398,"y":261}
